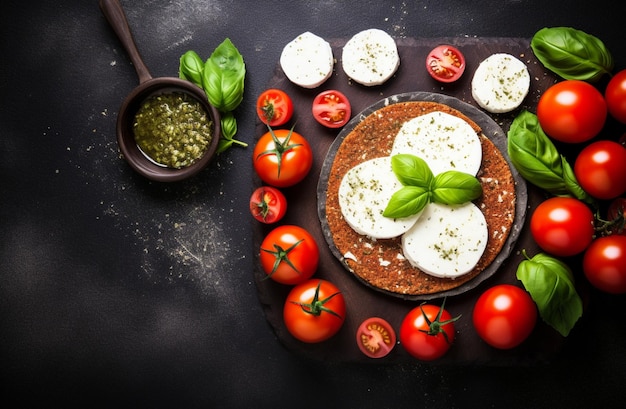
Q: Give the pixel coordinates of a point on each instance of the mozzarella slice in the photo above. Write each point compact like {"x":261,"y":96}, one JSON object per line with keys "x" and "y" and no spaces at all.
{"x":446,"y":241}
{"x":500,"y":83}
{"x":370,"y":57}
{"x":307,"y":60}
{"x":364,"y":193}
{"x":444,"y":141}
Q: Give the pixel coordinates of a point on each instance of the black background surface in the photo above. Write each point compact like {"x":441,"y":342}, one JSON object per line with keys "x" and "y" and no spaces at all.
{"x":119,"y":292}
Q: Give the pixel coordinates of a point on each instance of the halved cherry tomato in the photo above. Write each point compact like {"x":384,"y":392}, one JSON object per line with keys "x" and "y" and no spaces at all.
{"x":289,"y":254}
{"x":268,"y":204}
{"x":445,"y":63}
{"x":274,"y":107}
{"x":282,"y":157}
{"x":615,"y":95}
{"x":604,"y":264}
{"x":375,"y":337}
{"x":427,"y":332}
{"x":601,"y":169}
{"x":572,"y":111}
{"x":332,"y":109}
{"x":314,"y":311}
{"x":504,"y":316}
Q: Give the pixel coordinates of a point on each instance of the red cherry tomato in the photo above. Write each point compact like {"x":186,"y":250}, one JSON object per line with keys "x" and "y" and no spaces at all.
{"x":314,"y":311}
{"x":615,"y":96}
{"x":331,"y":108}
{"x":375,"y":337}
{"x":604,"y":264}
{"x":274,"y":107}
{"x":572,"y":111}
{"x":445,"y":63}
{"x":617,"y":215}
{"x":268,"y":204}
{"x":282,"y":157}
{"x":601,"y":169}
{"x":504,"y":316}
{"x":289,"y":254}
{"x":427,"y":332}
{"x":562,"y":226}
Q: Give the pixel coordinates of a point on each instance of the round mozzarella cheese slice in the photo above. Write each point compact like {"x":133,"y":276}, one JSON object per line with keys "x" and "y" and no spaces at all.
{"x":444,"y":141}
{"x":364,"y":193}
{"x":446,"y":241}
{"x":370,"y":57}
{"x":500,"y":83}
{"x":307,"y":60}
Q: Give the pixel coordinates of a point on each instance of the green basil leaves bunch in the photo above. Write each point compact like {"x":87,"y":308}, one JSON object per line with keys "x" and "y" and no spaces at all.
{"x":421,"y":187}
{"x":572,"y":54}
{"x":222,"y":77}
{"x":550,"y":283}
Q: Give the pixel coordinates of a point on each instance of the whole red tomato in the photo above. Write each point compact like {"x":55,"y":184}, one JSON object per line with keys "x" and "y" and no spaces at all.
{"x":282,"y":157}
{"x":572,"y":111}
{"x":615,"y":96}
{"x":562,"y":226}
{"x":314,"y":311}
{"x":504,"y":316}
{"x":274,"y":107}
{"x":375,"y":337}
{"x":267,"y":204}
{"x":331,"y":108}
{"x":601,"y":169}
{"x":445,"y":63}
{"x":427,"y":332}
{"x":289,"y":254}
{"x":604,"y":264}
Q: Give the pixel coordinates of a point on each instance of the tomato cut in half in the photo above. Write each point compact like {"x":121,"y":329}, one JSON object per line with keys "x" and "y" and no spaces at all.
{"x":268,"y":204}
{"x":332,"y":109}
{"x":445,"y":63}
{"x":375,"y":337}
{"x":274,"y":107}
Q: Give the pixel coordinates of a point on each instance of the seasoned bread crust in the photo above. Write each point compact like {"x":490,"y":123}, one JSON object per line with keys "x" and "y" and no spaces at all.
{"x":380,"y":263}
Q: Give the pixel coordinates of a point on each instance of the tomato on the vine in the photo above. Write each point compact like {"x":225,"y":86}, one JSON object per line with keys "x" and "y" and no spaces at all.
{"x":604,"y":264}
{"x":504,"y":316}
{"x":562,"y":226}
{"x":572,"y":111}
{"x":427,"y":331}
{"x":274,"y":107}
{"x":314,"y":311}
{"x":600,"y":168}
{"x":331,"y":108}
{"x":445,"y":63}
{"x":282,"y":157}
{"x":617,"y":215}
{"x":268,"y":204}
{"x":289,"y":254}
{"x":375,"y":337}
{"x":615,"y":96}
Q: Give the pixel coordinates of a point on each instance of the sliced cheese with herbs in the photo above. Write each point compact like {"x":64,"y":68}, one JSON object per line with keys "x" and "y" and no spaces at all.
{"x":370,"y":57}
{"x":307,"y":60}
{"x":364,"y":193}
{"x":444,"y":141}
{"x":500,"y":83}
{"x":446,"y":241}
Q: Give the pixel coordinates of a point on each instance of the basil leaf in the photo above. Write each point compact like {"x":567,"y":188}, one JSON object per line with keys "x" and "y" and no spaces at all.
{"x":411,"y":170}
{"x":223,"y":77}
{"x":572,"y":54}
{"x":407,"y":201}
{"x":191,"y":67}
{"x":550,"y":283}
{"x":454,"y":187}
{"x":536,"y":158}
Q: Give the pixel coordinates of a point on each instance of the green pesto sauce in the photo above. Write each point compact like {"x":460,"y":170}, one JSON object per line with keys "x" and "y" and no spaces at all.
{"x":172,"y":129}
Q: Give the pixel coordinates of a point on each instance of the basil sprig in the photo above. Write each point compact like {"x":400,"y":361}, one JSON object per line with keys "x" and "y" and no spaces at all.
{"x":538,"y":161}
{"x":421,"y":187}
{"x":222,"y":79}
{"x":572,"y":54}
{"x":550,"y":283}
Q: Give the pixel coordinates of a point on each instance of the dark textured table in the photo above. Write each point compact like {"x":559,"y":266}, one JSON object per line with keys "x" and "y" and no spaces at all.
{"x":120,"y":292}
